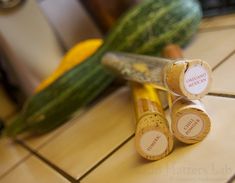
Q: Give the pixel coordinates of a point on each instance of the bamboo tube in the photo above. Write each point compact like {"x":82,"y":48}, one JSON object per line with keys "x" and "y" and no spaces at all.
{"x":153,"y":139}
{"x":190,"y":122}
{"x":187,"y":78}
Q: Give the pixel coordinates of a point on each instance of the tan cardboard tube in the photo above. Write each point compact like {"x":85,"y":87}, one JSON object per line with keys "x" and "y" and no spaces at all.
{"x":188,"y":78}
{"x":190,"y":122}
{"x":153,"y":140}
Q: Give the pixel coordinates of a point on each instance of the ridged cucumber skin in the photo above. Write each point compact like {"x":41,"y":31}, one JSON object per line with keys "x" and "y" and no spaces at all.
{"x":145,"y":29}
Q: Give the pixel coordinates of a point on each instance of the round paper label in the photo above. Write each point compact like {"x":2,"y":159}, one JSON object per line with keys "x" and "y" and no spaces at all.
{"x":196,"y":79}
{"x":190,"y":125}
{"x":153,"y":143}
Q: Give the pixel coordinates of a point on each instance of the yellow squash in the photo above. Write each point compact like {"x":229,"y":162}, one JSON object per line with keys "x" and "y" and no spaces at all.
{"x":73,"y":57}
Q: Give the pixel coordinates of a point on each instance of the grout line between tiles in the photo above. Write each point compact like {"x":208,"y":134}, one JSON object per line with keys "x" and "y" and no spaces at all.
{"x":213,"y":29}
{"x":106,"y":157}
{"x":225,"y":95}
{"x":123,"y":143}
{"x":15,"y":166}
{"x":223,"y":60}
{"x":76,"y":116}
{"x":54,"y":167}
{"x":217,"y":94}
{"x":65,"y":127}
{"x":70,"y":178}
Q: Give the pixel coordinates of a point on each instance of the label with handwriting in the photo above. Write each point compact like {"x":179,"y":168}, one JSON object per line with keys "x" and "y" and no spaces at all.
{"x":196,"y":79}
{"x":153,"y":143}
{"x":190,"y":125}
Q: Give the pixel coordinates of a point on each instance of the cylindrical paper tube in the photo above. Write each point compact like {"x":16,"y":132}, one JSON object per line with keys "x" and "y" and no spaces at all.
{"x":153,"y":139}
{"x":188,"y":78}
{"x":190,"y":122}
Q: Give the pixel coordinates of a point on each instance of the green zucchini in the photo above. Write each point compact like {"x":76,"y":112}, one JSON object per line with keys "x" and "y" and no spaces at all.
{"x":145,"y":29}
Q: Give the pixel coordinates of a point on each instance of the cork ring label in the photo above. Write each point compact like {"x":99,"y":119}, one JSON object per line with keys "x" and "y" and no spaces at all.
{"x":190,"y":78}
{"x":196,"y":79}
{"x":153,"y":143}
{"x":190,"y":125}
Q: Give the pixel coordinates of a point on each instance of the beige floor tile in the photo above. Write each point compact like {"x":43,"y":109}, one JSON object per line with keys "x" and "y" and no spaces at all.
{"x":95,"y":134}
{"x":10,"y":154}
{"x":211,"y":160}
{"x":224,"y":77}
{"x":33,"y":170}
{"x":218,"y":22}
{"x":211,"y":46}
{"x":36,"y":142}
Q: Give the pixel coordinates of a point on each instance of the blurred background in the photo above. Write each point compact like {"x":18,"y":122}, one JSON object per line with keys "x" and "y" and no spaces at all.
{"x":35,"y":34}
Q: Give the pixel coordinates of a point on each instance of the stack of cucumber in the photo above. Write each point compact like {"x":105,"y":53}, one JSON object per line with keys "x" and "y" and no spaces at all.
{"x":145,"y":29}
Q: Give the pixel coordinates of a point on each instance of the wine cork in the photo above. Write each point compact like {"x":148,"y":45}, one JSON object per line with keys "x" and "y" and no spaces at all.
{"x":188,"y":78}
{"x":153,"y":139}
{"x":190,"y":122}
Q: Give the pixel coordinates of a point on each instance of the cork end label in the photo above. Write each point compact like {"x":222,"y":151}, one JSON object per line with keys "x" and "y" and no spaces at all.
{"x":196,"y":79}
{"x":190,"y":125}
{"x":153,"y":143}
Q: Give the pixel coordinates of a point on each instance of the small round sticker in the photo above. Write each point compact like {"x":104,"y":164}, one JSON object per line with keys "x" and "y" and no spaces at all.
{"x":190,"y":125}
{"x":196,"y":79}
{"x":153,"y":143}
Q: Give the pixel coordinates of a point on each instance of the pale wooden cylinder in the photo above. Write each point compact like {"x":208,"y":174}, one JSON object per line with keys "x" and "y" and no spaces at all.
{"x":188,"y":78}
{"x":190,"y":122}
{"x":153,"y":139}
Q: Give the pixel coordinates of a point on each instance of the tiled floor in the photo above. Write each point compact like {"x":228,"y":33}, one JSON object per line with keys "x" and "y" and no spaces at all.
{"x":10,"y":155}
{"x":224,"y":84}
{"x":97,"y":146}
{"x":95,"y":134}
{"x":211,"y":160}
{"x":33,"y":170}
